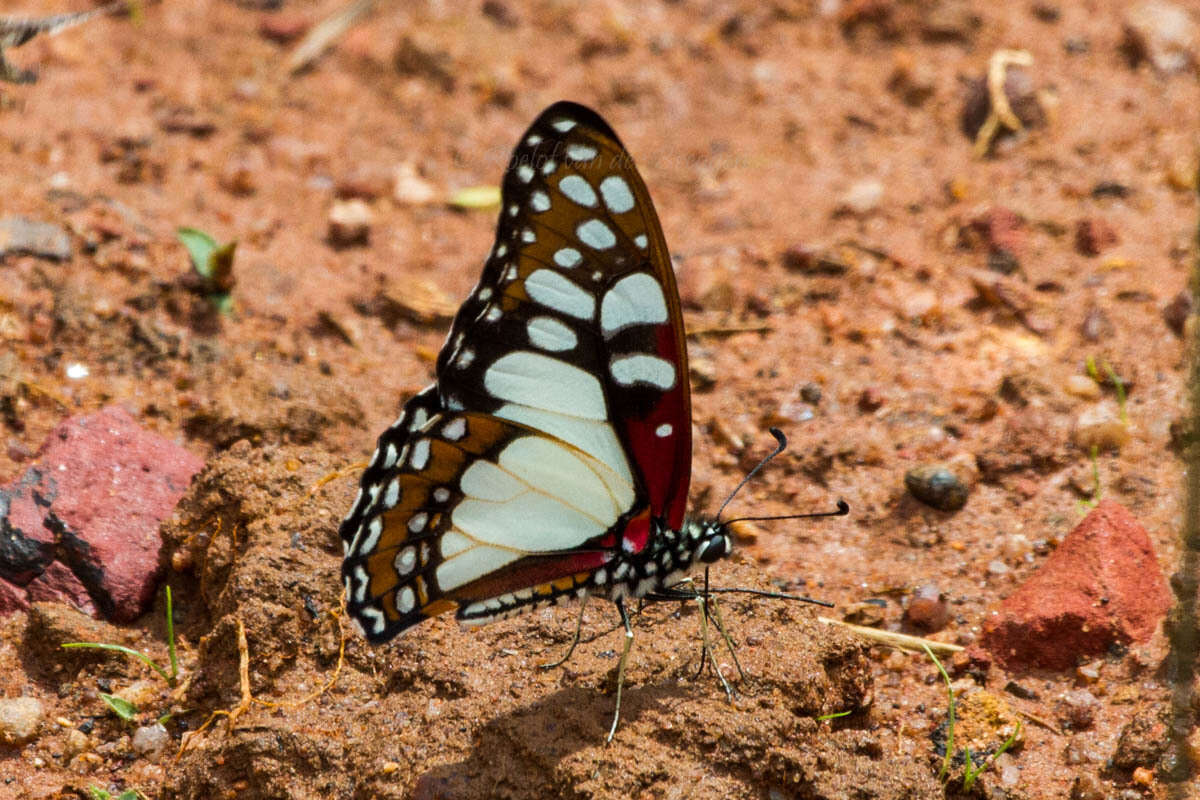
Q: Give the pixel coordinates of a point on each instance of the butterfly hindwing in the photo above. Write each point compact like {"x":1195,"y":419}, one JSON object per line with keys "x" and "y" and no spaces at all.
{"x":471,"y":507}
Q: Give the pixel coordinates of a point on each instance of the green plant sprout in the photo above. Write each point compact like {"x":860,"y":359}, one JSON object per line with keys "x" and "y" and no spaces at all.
{"x":1097,"y":489}
{"x":213,"y":265}
{"x":103,"y":794}
{"x":121,"y":707}
{"x":970,"y":772}
{"x":824,"y":717}
{"x":1118,"y":385}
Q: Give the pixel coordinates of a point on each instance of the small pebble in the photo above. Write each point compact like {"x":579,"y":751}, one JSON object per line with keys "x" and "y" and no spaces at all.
{"x":350,"y":223}
{"x":1143,"y":777}
{"x":1087,"y":787}
{"x":937,"y":487}
{"x":39,"y":239}
{"x":1082,"y":386}
{"x":409,"y":188}
{"x":150,"y":740}
{"x":927,"y":610}
{"x":19,"y":719}
{"x":870,"y":399}
{"x":863,"y":197}
{"x":1100,"y":426}
{"x":1077,"y":709}
{"x":869,"y":614}
{"x":1016,"y":546}
{"x":997,"y":567}
{"x":76,"y":742}
{"x":1094,"y":236}
{"x":1176,"y":312}
{"x":1162,"y":33}
{"x":810,"y":393}
{"x":283,"y":27}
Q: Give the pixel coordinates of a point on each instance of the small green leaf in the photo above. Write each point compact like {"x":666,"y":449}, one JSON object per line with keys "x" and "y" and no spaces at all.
{"x":476,"y":197}
{"x":131,"y":794}
{"x":120,"y":706}
{"x":833,"y":716}
{"x":200,"y":247}
{"x":99,"y":794}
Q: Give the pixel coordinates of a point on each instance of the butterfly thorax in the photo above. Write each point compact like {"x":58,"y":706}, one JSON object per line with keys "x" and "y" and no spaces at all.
{"x":665,"y":561}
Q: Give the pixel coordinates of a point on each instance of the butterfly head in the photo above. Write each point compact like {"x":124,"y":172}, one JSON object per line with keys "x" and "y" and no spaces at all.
{"x":710,"y":540}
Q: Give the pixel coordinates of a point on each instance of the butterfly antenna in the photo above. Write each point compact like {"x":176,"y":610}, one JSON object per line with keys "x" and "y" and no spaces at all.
{"x":843,"y":508}
{"x":779,"y":437}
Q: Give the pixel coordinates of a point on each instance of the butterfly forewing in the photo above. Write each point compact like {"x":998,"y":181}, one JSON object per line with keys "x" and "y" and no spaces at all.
{"x":575,"y":326}
{"x":560,"y":421}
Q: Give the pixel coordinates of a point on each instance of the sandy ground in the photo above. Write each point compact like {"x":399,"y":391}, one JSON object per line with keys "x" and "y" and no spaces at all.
{"x":836,"y":238}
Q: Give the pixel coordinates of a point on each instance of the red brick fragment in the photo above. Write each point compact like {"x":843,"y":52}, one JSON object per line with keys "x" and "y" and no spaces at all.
{"x":1102,"y":586}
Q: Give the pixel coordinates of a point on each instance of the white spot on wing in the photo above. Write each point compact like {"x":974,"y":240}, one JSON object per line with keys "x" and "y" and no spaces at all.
{"x":455,"y":429}
{"x":578,"y":190}
{"x":550,"y":334}
{"x":393,"y":495}
{"x":405,"y":560}
{"x":525,"y":173}
{"x":616,"y":194}
{"x":539,"y":201}
{"x":416,"y":522}
{"x":549,"y":166}
{"x":441,"y":494}
{"x":532,"y":139}
{"x":420,"y":455}
{"x":567,"y":257}
{"x":539,"y":381}
{"x":595,"y":234}
{"x":641,"y":241}
{"x":563,"y":124}
{"x":636,"y":299}
{"x":552,"y":290}
{"x":664,"y":430}
{"x":639,"y":368}
{"x":406,"y":600}
{"x":580,"y":152}
{"x":373,"y":529}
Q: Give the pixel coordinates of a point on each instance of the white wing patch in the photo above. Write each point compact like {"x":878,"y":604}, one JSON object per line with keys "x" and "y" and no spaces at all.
{"x":539,"y":381}
{"x":550,"y":334}
{"x":554,"y":291}
{"x":638,"y":368}
{"x":636,"y":299}
{"x":541,"y":496}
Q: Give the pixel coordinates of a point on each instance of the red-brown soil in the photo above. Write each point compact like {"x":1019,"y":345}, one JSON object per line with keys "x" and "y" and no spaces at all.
{"x":751,"y":123}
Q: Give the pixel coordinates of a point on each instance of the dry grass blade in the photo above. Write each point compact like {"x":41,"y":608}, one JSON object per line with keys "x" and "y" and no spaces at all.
{"x":324,"y":33}
{"x":903,"y":641}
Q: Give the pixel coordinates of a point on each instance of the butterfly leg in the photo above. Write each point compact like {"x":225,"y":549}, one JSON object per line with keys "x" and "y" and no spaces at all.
{"x":574,"y":640}
{"x":720,"y":623}
{"x":706,"y":648}
{"x":621,"y":667}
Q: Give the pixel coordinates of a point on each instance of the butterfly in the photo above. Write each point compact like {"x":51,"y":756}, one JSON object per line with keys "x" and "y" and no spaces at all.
{"x":550,"y":460}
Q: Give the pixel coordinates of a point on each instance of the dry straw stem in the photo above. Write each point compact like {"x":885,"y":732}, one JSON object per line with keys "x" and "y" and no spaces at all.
{"x":1000,"y":112}
{"x":903,"y":641}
